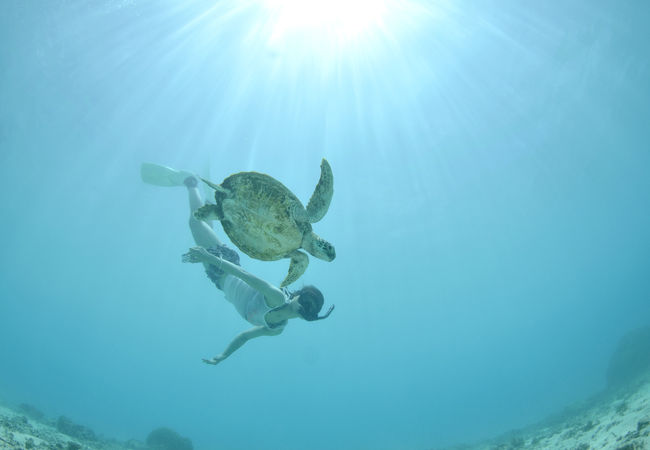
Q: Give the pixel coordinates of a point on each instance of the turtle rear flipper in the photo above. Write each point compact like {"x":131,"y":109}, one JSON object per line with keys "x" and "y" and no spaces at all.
{"x":322,"y":196}
{"x":216,"y":187}
{"x":299,"y":263}
{"x":207,"y":212}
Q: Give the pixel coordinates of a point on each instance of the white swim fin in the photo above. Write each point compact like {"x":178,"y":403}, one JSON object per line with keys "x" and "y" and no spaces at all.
{"x":163,"y":176}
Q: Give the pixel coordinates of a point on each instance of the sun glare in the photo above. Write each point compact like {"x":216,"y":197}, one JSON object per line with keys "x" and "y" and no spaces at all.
{"x":340,"y":21}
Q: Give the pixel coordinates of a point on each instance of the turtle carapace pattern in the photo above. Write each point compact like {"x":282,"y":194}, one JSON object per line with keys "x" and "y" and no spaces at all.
{"x":265,"y":220}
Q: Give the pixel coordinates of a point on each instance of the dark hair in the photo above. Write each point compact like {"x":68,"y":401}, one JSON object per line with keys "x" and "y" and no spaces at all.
{"x":311,"y":301}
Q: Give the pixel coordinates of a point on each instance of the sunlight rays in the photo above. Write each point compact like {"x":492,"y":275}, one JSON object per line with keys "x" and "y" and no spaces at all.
{"x":237,"y":71}
{"x":334,"y":20}
{"x":330,"y":30}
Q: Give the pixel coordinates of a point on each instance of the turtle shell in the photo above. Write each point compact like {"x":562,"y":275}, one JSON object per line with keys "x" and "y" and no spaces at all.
{"x":257,"y":215}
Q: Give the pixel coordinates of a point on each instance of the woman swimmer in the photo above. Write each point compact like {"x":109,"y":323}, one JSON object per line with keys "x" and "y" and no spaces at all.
{"x":262,"y":304}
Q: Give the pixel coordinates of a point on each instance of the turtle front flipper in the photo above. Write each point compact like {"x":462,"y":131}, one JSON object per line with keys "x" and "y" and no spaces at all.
{"x":207,"y":212}
{"x":299,"y":263}
{"x":322,"y":196}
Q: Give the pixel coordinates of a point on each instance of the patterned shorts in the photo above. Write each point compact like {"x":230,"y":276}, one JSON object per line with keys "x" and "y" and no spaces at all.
{"x":221,"y":251}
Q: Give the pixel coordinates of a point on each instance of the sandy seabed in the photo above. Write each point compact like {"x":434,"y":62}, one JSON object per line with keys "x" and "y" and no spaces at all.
{"x":20,"y":431}
{"x":615,"y":420}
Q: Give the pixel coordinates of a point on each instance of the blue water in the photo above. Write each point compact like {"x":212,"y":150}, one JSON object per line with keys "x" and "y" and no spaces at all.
{"x":491,"y":214}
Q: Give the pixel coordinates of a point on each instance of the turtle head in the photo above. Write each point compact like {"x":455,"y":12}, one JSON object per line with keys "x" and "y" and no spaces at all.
{"x":318,"y":246}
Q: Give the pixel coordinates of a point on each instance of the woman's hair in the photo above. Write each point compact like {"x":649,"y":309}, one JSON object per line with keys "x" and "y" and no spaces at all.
{"x":311,"y":301}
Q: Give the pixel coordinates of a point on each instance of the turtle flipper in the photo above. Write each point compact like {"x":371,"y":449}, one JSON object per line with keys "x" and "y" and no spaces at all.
{"x":299,"y":263}
{"x":162,"y":175}
{"x":322,"y":196}
{"x":207,"y":212}
{"x":216,"y":187}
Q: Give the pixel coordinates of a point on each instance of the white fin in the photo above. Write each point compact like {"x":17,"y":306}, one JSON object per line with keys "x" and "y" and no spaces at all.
{"x":162,"y":175}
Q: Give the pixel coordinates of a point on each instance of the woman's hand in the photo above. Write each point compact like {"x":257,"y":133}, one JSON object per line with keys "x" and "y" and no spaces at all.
{"x":196,"y":255}
{"x":214,"y":361}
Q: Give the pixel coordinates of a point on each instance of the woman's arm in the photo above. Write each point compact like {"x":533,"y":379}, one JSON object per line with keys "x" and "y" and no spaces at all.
{"x":274,"y":296}
{"x":240,"y":340}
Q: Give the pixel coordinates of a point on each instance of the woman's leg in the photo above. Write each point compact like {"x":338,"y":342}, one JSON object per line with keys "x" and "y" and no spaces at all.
{"x":202,"y":232}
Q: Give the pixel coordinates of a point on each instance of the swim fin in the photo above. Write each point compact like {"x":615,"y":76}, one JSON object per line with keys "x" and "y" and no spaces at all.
{"x":163,"y":176}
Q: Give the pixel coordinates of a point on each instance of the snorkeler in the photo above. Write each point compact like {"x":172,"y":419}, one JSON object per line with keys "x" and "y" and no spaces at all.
{"x":264,"y":305}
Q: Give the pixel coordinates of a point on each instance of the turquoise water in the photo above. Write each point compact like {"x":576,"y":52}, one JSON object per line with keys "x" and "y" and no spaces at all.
{"x":490,"y":215}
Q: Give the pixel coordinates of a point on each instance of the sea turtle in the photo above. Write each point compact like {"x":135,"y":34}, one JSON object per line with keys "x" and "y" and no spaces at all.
{"x":266,"y":220}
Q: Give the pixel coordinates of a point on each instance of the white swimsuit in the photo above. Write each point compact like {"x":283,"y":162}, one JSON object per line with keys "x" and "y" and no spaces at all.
{"x":249,"y":302}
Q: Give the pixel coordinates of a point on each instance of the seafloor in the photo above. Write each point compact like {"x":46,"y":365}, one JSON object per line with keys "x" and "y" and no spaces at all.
{"x":618,"y":420}
{"x":25,"y":427}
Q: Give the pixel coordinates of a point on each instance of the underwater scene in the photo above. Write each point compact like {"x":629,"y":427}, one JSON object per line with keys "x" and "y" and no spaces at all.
{"x":309,"y":224}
